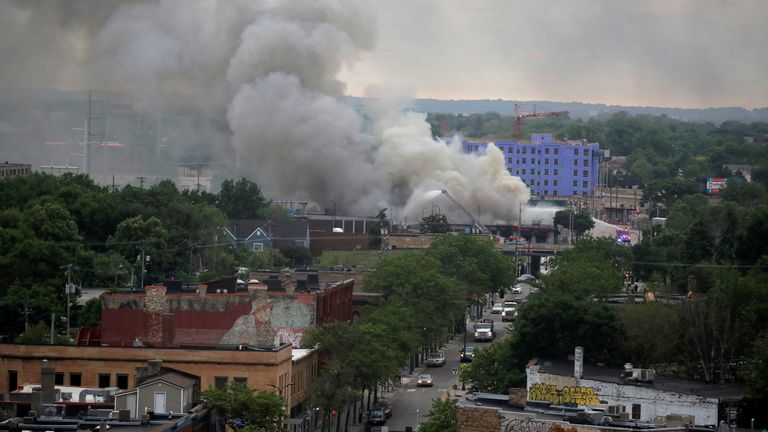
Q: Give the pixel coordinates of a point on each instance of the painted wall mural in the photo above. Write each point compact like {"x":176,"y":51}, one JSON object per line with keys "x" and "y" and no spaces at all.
{"x":571,"y":394}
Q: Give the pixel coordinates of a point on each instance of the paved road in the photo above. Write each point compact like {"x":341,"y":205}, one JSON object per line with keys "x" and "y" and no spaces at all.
{"x":411,"y":404}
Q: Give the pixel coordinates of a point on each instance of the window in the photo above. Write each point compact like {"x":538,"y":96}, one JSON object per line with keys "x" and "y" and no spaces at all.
{"x":510,"y":170}
{"x":510,"y":160}
{"x":575,"y":152}
{"x":241,"y":380}
{"x":523,"y":171}
{"x":575,"y":183}
{"x":584,"y":184}
{"x":575,"y":162}
{"x":575,"y":173}
{"x":546,"y":171}
{"x":13,"y":380}
{"x":557,"y":162}
{"x":75,"y":379}
{"x":122,"y":381}
{"x":554,"y":193}
{"x":586,"y":173}
{"x":258,"y":247}
{"x":533,"y":161}
{"x":546,"y":161}
{"x":546,"y":192}
{"x":58,"y":379}
{"x":525,"y":150}
{"x":585,"y":162}
{"x":555,"y":151}
{"x":509,"y":150}
{"x":554,"y":183}
{"x":586,"y":152}
{"x":546,"y":182}
{"x":554,"y":171}
{"x":220,"y":382}
{"x":518,"y":151}
{"x":524,"y":161}
{"x":105,"y":380}
{"x":546,"y":151}
{"x":636,"y":411}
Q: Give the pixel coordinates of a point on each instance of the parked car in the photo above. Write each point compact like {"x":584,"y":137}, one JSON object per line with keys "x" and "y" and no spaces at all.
{"x":497,"y":308}
{"x":384,"y":405}
{"x":467,"y":355}
{"x":377,"y":417}
{"x":517,"y":289}
{"x":526,"y":277}
{"x":424,"y":380}
{"x":436,"y":359}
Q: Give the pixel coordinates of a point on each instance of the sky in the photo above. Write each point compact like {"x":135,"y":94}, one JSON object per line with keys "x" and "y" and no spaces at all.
{"x":667,"y":53}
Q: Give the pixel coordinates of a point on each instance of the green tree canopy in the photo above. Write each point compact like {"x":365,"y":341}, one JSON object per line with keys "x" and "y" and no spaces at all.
{"x":241,"y":199}
{"x":246,"y":409}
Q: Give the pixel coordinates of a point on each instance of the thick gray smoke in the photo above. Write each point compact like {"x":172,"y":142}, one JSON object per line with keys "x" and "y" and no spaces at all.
{"x":271,"y":67}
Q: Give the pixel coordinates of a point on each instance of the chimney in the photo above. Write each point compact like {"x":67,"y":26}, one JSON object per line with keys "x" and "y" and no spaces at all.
{"x":274,"y":283}
{"x":578,"y":362}
{"x":47,"y":380}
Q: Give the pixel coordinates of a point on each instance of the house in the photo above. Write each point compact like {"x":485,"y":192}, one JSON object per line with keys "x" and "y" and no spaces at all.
{"x":167,"y":392}
{"x":261,"y":235}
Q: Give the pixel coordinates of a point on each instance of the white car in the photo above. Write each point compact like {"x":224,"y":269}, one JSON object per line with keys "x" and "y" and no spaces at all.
{"x":497,"y":308}
{"x":424,"y":380}
{"x":526,"y":277}
{"x":436,"y":359}
{"x":517,"y":289}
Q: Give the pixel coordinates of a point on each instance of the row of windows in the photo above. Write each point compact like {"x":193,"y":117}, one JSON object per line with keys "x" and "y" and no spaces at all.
{"x":524,"y":161}
{"x":14,"y":172}
{"x":105,"y":380}
{"x":584,"y":183}
{"x":221,"y":382}
{"x":555,"y":172}
{"x":555,"y":150}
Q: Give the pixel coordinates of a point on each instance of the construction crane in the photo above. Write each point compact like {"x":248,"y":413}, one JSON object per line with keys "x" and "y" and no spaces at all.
{"x":520,"y":115}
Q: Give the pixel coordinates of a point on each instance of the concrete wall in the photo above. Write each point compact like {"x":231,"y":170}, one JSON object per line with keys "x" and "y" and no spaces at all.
{"x":259,"y":368}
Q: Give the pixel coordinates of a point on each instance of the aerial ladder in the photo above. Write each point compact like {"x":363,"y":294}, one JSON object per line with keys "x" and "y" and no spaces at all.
{"x":480,"y":227}
{"x":520,"y":115}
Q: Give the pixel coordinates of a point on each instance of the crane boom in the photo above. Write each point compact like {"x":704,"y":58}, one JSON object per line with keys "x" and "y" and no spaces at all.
{"x":520,"y":115}
{"x":482,"y":228}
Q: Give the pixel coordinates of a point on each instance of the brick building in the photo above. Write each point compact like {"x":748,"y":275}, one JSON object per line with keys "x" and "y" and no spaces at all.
{"x":101,"y":367}
{"x":264,"y":316}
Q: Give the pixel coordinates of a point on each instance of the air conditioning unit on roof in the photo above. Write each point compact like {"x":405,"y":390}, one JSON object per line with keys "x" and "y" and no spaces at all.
{"x":643,"y":375}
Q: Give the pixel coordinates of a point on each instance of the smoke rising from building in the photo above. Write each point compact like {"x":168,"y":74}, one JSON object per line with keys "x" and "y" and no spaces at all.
{"x":270,"y":68}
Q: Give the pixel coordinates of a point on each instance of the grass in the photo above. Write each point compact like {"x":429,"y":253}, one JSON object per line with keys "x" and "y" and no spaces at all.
{"x":352,"y":258}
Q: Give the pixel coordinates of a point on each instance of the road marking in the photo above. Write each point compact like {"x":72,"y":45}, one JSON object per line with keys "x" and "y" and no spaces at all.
{"x":411,"y":390}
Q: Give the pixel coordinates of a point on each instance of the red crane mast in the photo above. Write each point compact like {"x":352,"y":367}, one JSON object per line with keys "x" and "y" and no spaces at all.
{"x":520,"y":115}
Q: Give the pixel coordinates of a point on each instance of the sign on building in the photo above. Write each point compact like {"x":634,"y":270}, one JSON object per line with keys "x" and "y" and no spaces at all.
{"x":715,"y":185}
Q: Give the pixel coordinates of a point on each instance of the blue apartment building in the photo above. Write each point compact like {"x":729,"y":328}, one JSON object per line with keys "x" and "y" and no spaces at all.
{"x":550,"y":168}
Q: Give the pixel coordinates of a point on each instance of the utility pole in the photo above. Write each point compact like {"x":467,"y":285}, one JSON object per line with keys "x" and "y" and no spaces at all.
{"x":141,"y":181}
{"x":68,"y":289}
{"x":142,"y":257}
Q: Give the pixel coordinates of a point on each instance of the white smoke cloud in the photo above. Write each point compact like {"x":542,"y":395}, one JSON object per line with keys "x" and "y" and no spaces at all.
{"x":272,"y":68}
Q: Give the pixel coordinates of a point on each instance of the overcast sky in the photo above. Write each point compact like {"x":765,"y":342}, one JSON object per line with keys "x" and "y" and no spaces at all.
{"x":671,"y":53}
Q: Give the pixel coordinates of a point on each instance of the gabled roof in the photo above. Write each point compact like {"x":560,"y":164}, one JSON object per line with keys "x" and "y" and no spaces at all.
{"x":295,"y":228}
{"x":172,"y":378}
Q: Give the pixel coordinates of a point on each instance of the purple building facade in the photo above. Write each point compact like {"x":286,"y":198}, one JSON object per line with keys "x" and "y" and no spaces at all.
{"x":550,"y":168}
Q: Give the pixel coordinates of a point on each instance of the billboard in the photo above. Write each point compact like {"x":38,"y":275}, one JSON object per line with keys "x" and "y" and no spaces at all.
{"x":715,"y":185}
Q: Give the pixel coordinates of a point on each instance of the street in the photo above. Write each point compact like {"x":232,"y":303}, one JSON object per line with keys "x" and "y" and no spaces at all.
{"x":411,"y":404}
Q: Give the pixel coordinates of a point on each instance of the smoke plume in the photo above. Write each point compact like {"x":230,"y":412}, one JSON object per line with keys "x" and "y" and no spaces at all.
{"x":270,"y":68}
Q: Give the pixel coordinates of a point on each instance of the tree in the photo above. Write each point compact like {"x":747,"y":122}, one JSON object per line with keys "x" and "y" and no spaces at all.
{"x":653,"y":337}
{"x":436,"y":223}
{"x":758,"y":367}
{"x":441,"y":417}
{"x":245,"y":409}
{"x":378,"y":230}
{"x":591,"y":267}
{"x":241,"y":199}
{"x":579,"y":222}
{"x":495,"y":368}
{"x":474,"y":262}
{"x":296,"y":256}
{"x":552,"y":323}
